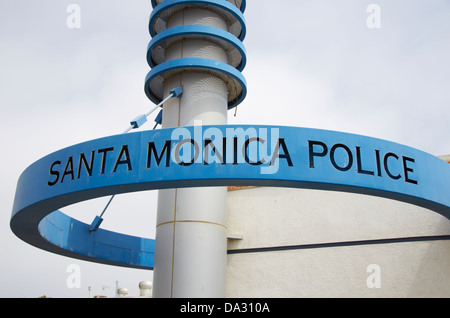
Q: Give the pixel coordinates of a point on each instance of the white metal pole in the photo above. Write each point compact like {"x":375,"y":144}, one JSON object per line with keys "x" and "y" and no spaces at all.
{"x":191,"y":243}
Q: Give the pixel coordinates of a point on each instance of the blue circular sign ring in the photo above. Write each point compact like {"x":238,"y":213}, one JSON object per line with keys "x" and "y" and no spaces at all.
{"x":304,"y":158}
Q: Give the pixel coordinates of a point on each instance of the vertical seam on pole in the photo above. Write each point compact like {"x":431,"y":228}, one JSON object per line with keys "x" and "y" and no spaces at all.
{"x":173,"y":241}
{"x":181,"y":74}
{"x":176,"y":190}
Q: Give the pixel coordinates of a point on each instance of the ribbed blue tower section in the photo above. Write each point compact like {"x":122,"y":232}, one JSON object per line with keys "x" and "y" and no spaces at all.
{"x":230,"y":40}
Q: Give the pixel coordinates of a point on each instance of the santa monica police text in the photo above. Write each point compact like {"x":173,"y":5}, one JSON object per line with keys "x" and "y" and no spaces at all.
{"x":265,"y":148}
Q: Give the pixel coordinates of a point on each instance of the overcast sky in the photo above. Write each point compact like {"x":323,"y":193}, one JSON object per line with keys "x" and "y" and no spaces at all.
{"x":311,"y":63}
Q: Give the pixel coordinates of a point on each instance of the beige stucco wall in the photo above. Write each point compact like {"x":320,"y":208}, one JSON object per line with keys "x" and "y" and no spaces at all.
{"x":273,"y":217}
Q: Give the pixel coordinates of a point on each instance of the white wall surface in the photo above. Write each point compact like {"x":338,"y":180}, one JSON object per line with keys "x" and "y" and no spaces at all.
{"x":276,"y":217}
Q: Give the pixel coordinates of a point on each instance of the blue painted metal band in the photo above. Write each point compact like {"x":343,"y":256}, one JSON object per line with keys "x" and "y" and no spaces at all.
{"x":198,"y":30}
{"x":242,"y":8}
{"x":63,"y":235}
{"x":295,"y":157}
{"x":158,"y":73}
{"x":220,"y":4}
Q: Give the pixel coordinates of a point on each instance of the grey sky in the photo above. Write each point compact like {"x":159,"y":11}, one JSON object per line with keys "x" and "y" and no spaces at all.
{"x":311,"y":63}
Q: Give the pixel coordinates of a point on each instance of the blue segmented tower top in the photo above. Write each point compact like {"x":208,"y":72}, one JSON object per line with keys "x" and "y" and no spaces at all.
{"x":240,"y":4}
{"x":228,"y":36}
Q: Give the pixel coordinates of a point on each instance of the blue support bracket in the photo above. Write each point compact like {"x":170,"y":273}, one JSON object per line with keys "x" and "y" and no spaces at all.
{"x":158,"y":118}
{"x":177,"y":92}
{"x":95,"y":224}
{"x":138,"y":121}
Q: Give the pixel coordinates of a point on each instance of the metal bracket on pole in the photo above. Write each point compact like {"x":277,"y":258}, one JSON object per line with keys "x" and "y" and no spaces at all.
{"x":139,"y":121}
{"x":177,"y":92}
{"x":158,"y":119}
{"x":95,"y":224}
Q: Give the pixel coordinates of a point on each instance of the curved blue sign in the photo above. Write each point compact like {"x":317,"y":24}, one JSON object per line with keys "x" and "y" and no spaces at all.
{"x":210,"y":156}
